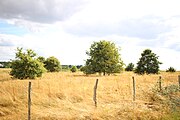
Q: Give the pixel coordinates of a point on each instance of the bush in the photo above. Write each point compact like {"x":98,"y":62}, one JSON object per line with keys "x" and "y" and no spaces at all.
{"x":170,"y":89}
{"x":171,"y":69}
{"x":26,"y":65}
{"x":52,"y":64}
{"x":168,"y":95}
{"x":73,"y":69}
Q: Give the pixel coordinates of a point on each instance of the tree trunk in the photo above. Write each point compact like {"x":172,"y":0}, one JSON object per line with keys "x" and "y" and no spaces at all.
{"x":104,"y":73}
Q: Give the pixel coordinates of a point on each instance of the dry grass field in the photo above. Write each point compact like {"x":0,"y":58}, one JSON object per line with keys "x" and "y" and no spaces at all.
{"x":69,"y":96}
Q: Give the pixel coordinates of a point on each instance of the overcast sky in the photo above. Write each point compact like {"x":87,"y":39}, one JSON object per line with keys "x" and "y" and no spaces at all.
{"x":66,"y":28}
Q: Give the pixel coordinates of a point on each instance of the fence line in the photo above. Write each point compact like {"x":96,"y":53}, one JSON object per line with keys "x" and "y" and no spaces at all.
{"x":95,"y":92}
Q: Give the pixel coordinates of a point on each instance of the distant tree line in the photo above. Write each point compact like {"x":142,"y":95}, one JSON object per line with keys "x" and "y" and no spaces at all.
{"x":5,"y":64}
{"x":68,"y":67}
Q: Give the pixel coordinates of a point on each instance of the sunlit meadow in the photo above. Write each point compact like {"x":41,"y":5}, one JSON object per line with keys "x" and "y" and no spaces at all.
{"x":69,"y":96}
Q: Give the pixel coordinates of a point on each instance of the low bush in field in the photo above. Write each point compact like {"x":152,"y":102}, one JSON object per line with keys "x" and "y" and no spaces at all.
{"x":171,"y":69}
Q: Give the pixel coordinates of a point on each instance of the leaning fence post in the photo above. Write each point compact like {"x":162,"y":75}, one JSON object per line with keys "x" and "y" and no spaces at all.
{"x":160,"y":83}
{"x":179,"y":81}
{"x":29,"y":101}
{"x":134,"y":89}
{"x":94,"y":97}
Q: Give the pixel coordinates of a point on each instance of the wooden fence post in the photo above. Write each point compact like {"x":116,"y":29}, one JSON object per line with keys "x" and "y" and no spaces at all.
{"x":29,"y":101}
{"x":134,"y":89}
{"x":38,"y":83}
{"x":179,"y":81}
{"x":14,"y":97}
{"x":160,"y":83}
{"x":94,"y":96}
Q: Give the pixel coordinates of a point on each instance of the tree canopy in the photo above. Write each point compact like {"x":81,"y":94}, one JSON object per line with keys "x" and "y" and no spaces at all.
{"x":148,"y":63}
{"x":52,"y":64}
{"x":26,"y":65}
{"x":130,"y":67}
{"x":104,"y":58}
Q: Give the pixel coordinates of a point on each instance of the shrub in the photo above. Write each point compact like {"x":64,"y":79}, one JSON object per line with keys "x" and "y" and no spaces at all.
{"x":171,"y":69}
{"x":52,"y":64}
{"x":73,"y":69}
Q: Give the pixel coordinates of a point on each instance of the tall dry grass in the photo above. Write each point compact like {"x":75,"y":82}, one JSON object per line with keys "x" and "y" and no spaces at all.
{"x":69,"y":96}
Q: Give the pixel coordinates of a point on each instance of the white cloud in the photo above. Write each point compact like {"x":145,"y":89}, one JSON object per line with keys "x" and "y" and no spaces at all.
{"x":10,"y":40}
{"x":42,"y":11}
{"x":169,"y":58}
{"x":60,"y":28}
{"x":6,"y":53}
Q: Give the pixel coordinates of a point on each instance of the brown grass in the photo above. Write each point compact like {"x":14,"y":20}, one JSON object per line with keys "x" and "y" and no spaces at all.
{"x":69,"y":96}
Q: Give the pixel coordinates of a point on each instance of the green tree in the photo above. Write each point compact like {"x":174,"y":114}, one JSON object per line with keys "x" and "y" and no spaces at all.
{"x":74,"y":69}
{"x":104,"y":58}
{"x":130,"y":67}
{"x":26,"y":65}
{"x":52,"y":64}
{"x":148,"y":63}
{"x":171,"y":69}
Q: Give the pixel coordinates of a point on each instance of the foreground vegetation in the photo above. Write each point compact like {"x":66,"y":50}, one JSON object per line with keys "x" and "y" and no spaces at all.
{"x":68,"y":96}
